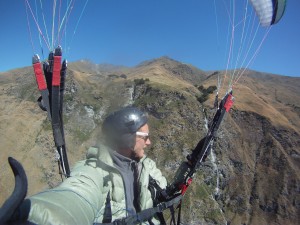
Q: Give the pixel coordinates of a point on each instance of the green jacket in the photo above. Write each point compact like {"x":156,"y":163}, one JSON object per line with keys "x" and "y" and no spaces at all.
{"x":81,"y":198}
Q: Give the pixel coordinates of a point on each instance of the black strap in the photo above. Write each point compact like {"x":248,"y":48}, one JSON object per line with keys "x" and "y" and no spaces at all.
{"x":136,"y":199}
{"x":179,"y":214}
{"x":57,"y":72}
{"x":156,"y":191}
{"x":172,"y":210}
{"x":145,"y":214}
{"x":107,"y":216}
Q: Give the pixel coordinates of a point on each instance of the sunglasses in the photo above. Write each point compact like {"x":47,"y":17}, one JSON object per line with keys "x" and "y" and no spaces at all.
{"x":143,"y":135}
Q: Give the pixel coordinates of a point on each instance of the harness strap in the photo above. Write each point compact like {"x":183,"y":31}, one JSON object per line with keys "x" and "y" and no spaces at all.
{"x":57,"y":125}
{"x":146,"y":214}
{"x":179,"y":214}
{"x":173,"y":220}
{"x":107,"y":216}
{"x":156,"y":191}
{"x":58,"y":136}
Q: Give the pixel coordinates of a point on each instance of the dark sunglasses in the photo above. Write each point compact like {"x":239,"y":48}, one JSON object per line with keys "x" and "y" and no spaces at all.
{"x":143,"y":135}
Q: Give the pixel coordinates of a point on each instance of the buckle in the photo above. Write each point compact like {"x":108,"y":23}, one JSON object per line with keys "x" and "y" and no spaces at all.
{"x":162,"y":206}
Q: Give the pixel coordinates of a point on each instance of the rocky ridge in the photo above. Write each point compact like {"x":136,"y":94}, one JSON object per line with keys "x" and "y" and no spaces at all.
{"x":252,"y":177}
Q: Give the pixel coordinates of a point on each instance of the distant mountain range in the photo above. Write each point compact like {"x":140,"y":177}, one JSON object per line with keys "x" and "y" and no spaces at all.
{"x":252,"y":175}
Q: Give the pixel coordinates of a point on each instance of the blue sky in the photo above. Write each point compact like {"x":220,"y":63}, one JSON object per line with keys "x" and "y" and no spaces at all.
{"x":127,"y":32}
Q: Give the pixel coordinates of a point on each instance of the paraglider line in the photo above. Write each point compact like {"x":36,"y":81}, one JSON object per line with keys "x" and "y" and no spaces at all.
{"x":37,"y":18}
{"x":230,"y":19}
{"x":82,"y":11}
{"x":66,"y":22}
{"x":218,"y":43}
{"x":66,"y":14}
{"x":58,"y":20}
{"x":241,"y":41}
{"x":247,"y":32}
{"x":44,"y":22}
{"x":29,"y":30}
{"x":250,"y":40}
{"x":59,"y":34}
{"x":65,"y":29}
{"x":249,"y":48}
{"x":53,"y":20}
{"x":255,"y":54}
{"x":39,"y":29}
{"x":230,"y":53}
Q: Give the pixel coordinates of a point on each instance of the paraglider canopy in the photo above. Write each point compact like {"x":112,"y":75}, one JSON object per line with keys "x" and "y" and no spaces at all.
{"x":269,"y":11}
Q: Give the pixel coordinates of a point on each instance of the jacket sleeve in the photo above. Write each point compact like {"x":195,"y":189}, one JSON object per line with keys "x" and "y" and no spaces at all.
{"x":76,"y":201}
{"x":155,"y":173}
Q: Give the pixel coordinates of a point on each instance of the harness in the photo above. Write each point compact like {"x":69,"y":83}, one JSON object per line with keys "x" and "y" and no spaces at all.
{"x":146,"y":214}
{"x":160,"y":204}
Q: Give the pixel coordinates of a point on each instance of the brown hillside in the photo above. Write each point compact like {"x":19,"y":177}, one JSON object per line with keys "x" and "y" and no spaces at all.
{"x":255,"y":160}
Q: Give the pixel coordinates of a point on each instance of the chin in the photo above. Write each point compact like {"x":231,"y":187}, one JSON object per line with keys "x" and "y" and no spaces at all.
{"x":140,"y":154}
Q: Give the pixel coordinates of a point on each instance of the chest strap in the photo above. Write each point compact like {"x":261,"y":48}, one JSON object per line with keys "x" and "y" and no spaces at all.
{"x":146,"y":214}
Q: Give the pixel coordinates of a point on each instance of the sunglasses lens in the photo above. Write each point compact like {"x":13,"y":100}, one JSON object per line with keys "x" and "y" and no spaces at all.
{"x":142,"y":135}
{"x":145,"y":138}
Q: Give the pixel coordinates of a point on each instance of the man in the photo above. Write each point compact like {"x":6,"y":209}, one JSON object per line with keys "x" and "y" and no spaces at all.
{"x":112,"y":183}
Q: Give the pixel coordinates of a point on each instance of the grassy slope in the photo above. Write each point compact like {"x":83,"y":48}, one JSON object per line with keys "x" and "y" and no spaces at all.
{"x":174,"y":117}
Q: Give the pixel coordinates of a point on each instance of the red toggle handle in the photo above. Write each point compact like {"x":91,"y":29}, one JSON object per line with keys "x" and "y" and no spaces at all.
{"x":229,"y":102}
{"x":37,"y":67}
{"x":184,"y":187}
{"x":56,"y":71}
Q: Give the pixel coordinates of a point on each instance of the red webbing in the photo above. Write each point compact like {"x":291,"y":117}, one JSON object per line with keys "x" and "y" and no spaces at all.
{"x":37,"y":67}
{"x":228,"y":103}
{"x":184,"y":187}
{"x":56,"y":71}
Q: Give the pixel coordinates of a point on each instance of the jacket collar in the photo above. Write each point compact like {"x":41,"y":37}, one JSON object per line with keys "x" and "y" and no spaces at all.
{"x":102,"y":153}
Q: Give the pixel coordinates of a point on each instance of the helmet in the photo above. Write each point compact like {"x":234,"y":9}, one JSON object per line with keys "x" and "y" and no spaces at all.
{"x":120,"y":127}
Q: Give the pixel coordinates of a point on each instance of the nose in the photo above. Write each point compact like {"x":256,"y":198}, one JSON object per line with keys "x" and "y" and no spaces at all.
{"x":148,"y":142}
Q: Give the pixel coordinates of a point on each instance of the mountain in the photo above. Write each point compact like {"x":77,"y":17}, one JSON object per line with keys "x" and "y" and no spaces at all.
{"x":86,"y":66}
{"x":176,"y":69}
{"x":252,"y":175}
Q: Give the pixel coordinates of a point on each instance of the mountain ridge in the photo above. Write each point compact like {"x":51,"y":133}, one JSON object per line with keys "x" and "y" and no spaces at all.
{"x":256,"y":154}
